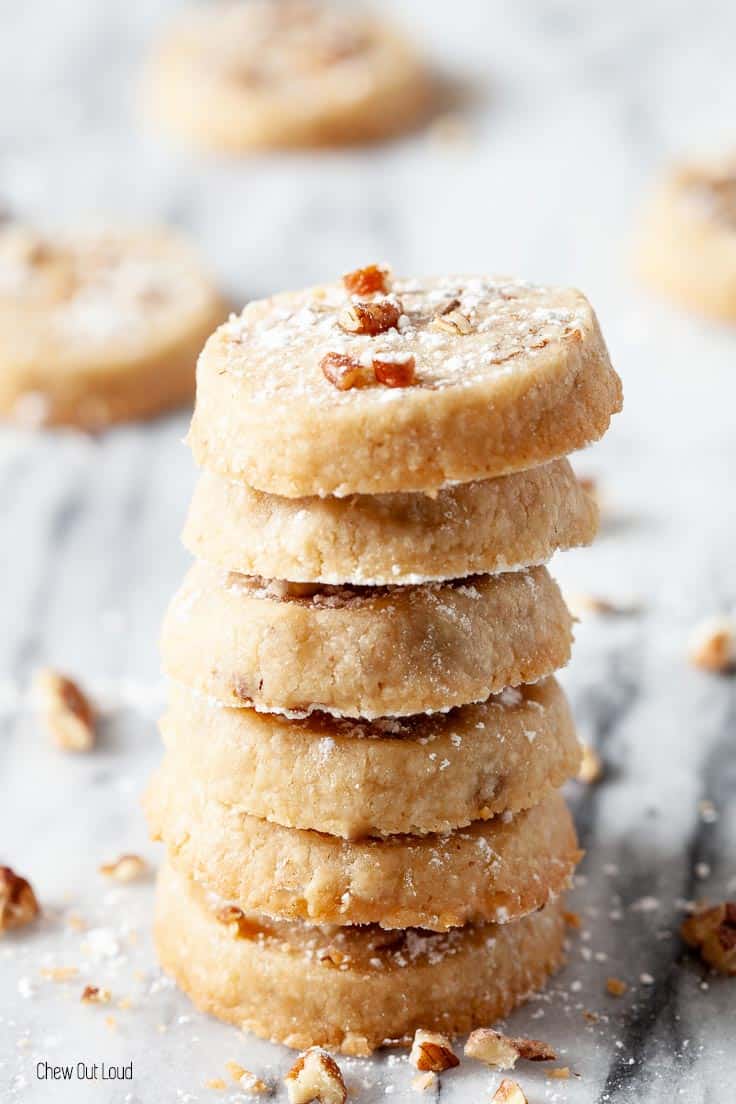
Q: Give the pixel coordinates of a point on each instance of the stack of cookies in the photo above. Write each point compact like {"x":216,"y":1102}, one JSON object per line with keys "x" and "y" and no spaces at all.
{"x":365,"y":740}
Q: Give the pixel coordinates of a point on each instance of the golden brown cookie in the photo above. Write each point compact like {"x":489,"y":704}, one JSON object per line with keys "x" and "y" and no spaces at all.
{"x":350,"y":989}
{"x":299,"y":396}
{"x":367,"y":652}
{"x":100,"y":326}
{"x":271,"y":74}
{"x":473,"y":528}
{"x":343,"y":776}
{"x":492,"y":871}
{"x":687,"y":247}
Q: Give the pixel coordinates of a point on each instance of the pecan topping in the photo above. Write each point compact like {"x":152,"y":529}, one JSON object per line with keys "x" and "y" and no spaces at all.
{"x":712,"y":932}
{"x":18,"y":904}
{"x":67,"y":712}
{"x":315,"y":1076}
{"x":508,"y":1092}
{"x":453,"y":321}
{"x":344,"y":371}
{"x":126,"y":868}
{"x":394,"y":370}
{"x":367,"y":281}
{"x":432,"y":1051}
{"x":503,"y":1051}
{"x":370,"y":318}
{"x":713,"y":645}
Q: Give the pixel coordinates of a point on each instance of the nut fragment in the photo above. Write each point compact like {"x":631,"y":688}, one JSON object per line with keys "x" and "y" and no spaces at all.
{"x":713,"y":645}
{"x":573,"y":920}
{"x":432,"y":1051}
{"x":245,"y":1079}
{"x":18,"y":904}
{"x":315,"y":1076}
{"x":591,"y":767}
{"x":560,"y":1074}
{"x":423,"y":1081}
{"x":126,"y":868}
{"x":452,"y":321}
{"x":616,"y":987}
{"x":712,"y":932}
{"x":345,"y":372}
{"x":368,"y":280}
{"x":509,"y":1092}
{"x":503,"y":1051}
{"x":235,"y":919}
{"x":394,"y":369}
{"x":67,"y":712}
{"x":370,"y":318}
{"x":92,"y":994}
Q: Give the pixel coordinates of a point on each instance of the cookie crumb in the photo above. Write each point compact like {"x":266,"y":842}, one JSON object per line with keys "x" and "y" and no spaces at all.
{"x":66,"y":711}
{"x":591,"y":766}
{"x":616,"y":987}
{"x":423,"y":1081}
{"x":126,"y":868}
{"x":92,"y":994}
{"x":713,"y":645}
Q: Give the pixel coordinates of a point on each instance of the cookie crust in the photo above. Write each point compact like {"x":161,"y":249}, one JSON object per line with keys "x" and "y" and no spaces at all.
{"x":502,"y":755}
{"x":531,"y":381}
{"x":99,"y":326}
{"x":492,"y":871}
{"x":368,"y":652}
{"x":473,"y":528}
{"x":351,"y":990}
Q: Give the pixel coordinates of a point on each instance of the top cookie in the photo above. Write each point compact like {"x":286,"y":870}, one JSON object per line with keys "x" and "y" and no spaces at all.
{"x":99,"y":325}
{"x":375,"y":385}
{"x":282,"y":73}
{"x":688,"y":243}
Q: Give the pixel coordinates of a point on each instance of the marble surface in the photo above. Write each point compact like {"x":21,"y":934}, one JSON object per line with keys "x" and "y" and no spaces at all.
{"x":570,"y":109}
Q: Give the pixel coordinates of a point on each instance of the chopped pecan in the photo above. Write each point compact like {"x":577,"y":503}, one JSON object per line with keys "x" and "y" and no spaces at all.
{"x":68,"y":713}
{"x":245,"y":1079}
{"x":509,"y":1092}
{"x":423,"y":1081}
{"x":503,"y":1051}
{"x":370,"y":318}
{"x":240,"y":926}
{"x":713,"y":645}
{"x":712,"y":932}
{"x":615,"y":987}
{"x":126,"y":868}
{"x":394,"y":369}
{"x":432,"y":1051}
{"x":368,"y":280}
{"x":453,"y":321}
{"x":18,"y":904}
{"x":93,"y":994}
{"x":591,"y":767}
{"x":315,"y":1076}
{"x":345,"y":372}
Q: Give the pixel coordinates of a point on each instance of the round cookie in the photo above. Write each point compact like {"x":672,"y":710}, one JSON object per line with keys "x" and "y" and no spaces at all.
{"x":100,"y":326}
{"x":495,"y":870}
{"x":271,"y":74}
{"x":373,"y":540}
{"x":500,"y":376}
{"x":349,"y":989}
{"x":505,"y":754}
{"x":368,"y":652}
{"x":687,"y":248}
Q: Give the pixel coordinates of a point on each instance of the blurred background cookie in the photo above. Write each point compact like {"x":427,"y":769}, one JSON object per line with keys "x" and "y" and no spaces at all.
{"x":100,"y":325}
{"x":279,"y":73}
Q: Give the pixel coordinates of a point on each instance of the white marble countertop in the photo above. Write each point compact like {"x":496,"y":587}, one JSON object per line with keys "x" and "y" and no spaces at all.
{"x":574,"y":106}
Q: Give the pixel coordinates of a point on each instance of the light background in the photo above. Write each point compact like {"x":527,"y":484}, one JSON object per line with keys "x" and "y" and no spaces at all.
{"x":574,"y":108}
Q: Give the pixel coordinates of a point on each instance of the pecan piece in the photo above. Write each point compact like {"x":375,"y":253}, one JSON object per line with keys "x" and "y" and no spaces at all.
{"x":18,"y":904}
{"x":93,"y":994}
{"x":712,"y":932}
{"x":432,"y":1051}
{"x":68,"y":714}
{"x":367,"y":281}
{"x":394,"y":369}
{"x":503,"y":1051}
{"x":615,"y":987}
{"x":345,"y":372}
{"x":452,"y":321}
{"x":370,"y":318}
{"x":240,"y":926}
{"x":315,"y":1076}
{"x":509,"y":1092}
{"x":713,"y":645}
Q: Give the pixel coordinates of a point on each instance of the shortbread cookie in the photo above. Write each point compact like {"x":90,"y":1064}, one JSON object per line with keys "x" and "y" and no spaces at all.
{"x":367,"y":652}
{"x":426,"y":383}
{"x":494,"y":870}
{"x":688,"y":242}
{"x":278,"y":73}
{"x":473,"y":528}
{"x":349,"y":989}
{"x":343,"y":777}
{"x":101,"y":326}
